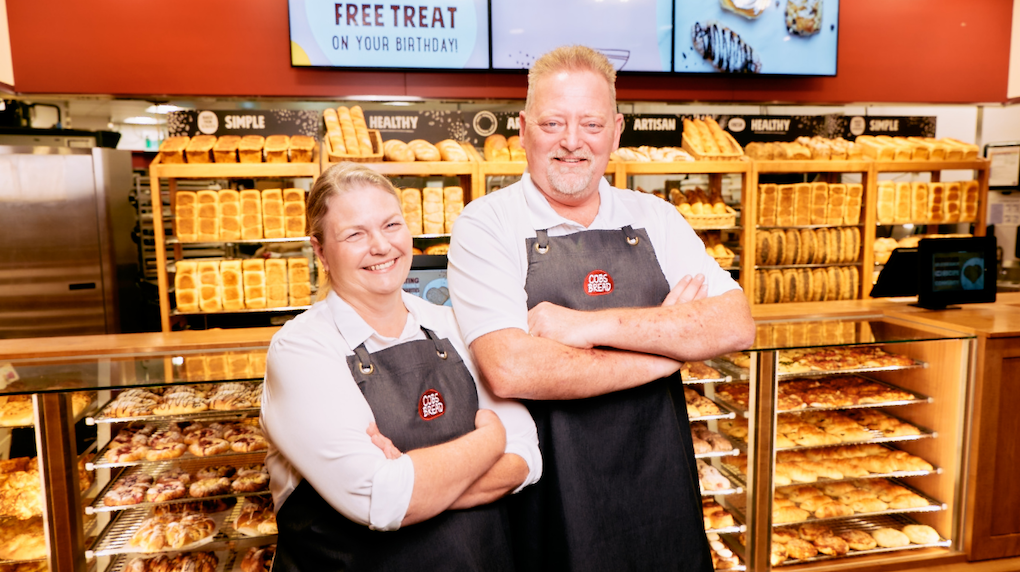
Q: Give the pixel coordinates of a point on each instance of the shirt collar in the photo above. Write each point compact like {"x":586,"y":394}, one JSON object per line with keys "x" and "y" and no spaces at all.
{"x":356,"y":331}
{"x":611,"y":210}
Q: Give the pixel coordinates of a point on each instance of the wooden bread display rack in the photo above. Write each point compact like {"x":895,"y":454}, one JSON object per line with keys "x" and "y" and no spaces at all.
{"x":710,"y":221}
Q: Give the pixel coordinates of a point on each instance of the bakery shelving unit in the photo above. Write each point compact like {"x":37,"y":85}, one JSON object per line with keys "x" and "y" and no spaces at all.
{"x":933,"y":393}
{"x":981,"y":169}
{"x":829,"y":172}
{"x":466,"y":171}
{"x":173,"y":172}
{"x":715,"y":169}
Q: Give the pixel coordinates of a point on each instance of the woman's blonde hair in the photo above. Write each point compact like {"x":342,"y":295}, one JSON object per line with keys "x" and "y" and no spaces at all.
{"x":335,"y":182}
{"x":571,"y":58}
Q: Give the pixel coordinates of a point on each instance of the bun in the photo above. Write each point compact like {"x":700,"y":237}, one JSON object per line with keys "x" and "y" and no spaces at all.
{"x":890,"y":538}
{"x":921,"y":534}
{"x":424,"y":151}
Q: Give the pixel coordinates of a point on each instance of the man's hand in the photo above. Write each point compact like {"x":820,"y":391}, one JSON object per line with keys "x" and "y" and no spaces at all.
{"x":687,"y":290}
{"x":572,"y":328}
{"x":383,"y":442}
{"x":486,"y":419}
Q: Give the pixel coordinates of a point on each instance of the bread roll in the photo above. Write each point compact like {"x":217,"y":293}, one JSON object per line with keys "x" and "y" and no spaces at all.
{"x":199,"y":149}
{"x":767,"y":202}
{"x":451,"y":150}
{"x":496,"y":148}
{"x":785,"y":205}
{"x":225,"y":150}
{"x":171,"y":150}
{"x":854,"y":196}
{"x":424,"y":151}
{"x":820,"y":203}
{"x":249,"y":150}
{"x":921,"y":534}
{"x":802,"y":204}
{"x":886,"y":202}
{"x":397,"y":150}
{"x":437,"y":249}
{"x":890,"y":538}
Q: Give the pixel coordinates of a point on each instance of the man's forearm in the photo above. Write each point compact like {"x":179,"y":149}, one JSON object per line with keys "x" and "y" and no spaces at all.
{"x":517,"y":365}
{"x":506,"y":475}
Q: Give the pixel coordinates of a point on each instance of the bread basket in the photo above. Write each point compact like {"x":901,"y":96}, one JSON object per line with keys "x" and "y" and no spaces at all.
{"x":377,"y":151}
{"x":702,"y":156}
{"x":703,"y":221}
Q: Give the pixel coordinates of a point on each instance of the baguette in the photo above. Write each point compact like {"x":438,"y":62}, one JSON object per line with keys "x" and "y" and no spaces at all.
{"x":350,"y":136}
{"x":361,"y":131}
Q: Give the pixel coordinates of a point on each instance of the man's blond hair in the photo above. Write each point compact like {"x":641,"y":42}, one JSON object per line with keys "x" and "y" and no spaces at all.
{"x":571,"y":58}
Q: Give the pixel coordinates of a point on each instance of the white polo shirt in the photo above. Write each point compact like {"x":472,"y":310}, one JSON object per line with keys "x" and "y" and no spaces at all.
{"x":316,"y":417}
{"x":489,"y":262}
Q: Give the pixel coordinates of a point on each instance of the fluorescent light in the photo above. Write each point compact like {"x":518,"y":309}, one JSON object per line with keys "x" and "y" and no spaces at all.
{"x":162,"y":108}
{"x":141,"y":120}
{"x":398,"y":103}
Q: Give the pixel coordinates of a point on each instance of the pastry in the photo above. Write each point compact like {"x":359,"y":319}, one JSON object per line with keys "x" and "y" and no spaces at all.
{"x":250,"y":483}
{"x":724,"y":48}
{"x":921,"y":534}
{"x":749,"y":9}
{"x":799,"y":549}
{"x":209,"y":487}
{"x":258,"y":559}
{"x":249,"y":443}
{"x":831,"y":545}
{"x":208,"y":446}
{"x":165,"y":490}
{"x":890,"y":538}
{"x":858,"y":539}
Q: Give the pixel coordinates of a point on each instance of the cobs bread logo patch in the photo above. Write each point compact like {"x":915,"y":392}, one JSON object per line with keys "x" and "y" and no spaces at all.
{"x":431,"y":405}
{"x":598,"y":283}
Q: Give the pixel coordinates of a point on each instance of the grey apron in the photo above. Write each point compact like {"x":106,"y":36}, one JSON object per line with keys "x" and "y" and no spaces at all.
{"x":619,"y":489}
{"x":421,"y":394}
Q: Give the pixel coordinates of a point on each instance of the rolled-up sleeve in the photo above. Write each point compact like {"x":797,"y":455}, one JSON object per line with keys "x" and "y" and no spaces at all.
{"x":316,"y":417}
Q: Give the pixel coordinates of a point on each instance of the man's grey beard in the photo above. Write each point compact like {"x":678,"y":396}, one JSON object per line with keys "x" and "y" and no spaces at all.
{"x":567,"y":184}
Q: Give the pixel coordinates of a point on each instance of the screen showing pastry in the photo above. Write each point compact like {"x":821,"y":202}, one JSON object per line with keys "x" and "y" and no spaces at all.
{"x":778,"y":37}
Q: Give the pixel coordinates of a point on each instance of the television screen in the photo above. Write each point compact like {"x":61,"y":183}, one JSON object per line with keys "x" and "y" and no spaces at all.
{"x":452,"y":34}
{"x":635,"y":35}
{"x":773,"y":37}
{"x":427,"y":279}
{"x":956,"y":271}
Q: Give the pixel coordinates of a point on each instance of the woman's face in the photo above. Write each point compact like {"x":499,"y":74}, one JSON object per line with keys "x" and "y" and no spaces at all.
{"x":366,"y":244}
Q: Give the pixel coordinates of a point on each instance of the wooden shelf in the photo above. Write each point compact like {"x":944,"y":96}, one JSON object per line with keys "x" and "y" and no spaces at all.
{"x":811,"y":166}
{"x":685,"y":167}
{"x":923,"y":166}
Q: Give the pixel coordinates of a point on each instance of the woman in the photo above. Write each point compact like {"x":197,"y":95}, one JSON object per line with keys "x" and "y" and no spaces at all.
{"x":370,"y":371}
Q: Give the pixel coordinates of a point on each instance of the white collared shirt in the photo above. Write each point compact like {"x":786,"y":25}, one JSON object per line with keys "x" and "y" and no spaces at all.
{"x":316,"y":417}
{"x":489,"y":262}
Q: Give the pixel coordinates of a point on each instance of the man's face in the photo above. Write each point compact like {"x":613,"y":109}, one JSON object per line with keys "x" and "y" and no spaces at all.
{"x":569,"y":133}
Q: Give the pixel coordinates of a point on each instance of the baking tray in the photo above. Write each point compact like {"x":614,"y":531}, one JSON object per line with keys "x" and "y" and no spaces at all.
{"x":879,"y":437}
{"x":120,"y":562}
{"x":868,"y":524}
{"x":933,"y":506}
{"x":723,"y":378}
{"x":734,"y":479}
{"x":918,"y":398}
{"x":209,"y":414}
{"x":742,"y":372}
{"x":83,"y":414}
{"x":824,"y":481}
{"x":114,"y":539}
{"x":733,"y":543}
{"x":229,"y":457}
{"x":725,"y":412}
{"x":154,"y":469}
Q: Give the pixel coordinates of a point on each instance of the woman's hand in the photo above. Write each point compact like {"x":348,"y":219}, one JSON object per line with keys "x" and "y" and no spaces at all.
{"x":686,"y":290}
{"x":384,"y":443}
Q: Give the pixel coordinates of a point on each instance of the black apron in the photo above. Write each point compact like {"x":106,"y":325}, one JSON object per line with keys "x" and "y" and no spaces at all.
{"x":421,"y":394}
{"x":619,"y":489}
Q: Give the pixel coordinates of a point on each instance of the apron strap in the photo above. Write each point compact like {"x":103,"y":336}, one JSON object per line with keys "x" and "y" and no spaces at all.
{"x":364,"y":360}
{"x":542,"y":241}
{"x":632,"y":237}
{"x":435,"y":341}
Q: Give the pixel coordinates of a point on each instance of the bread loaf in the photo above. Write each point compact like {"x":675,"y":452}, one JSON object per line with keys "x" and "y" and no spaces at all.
{"x":230,"y":214}
{"x":433,"y":215}
{"x":971,"y":198}
{"x":807,"y":284}
{"x":209,"y":297}
{"x":199,"y":149}
{"x":968,"y":151}
{"x":836,"y":208}
{"x":953,"y":200}
{"x":763,"y":244}
{"x":496,"y":148}
{"x":186,"y":216}
{"x":760,"y":286}
{"x":350,"y":135}
{"x":424,"y":151}
{"x":806,"y":247}
{"x":819,"y":284}
{"x":852,"y":244}
{"x":517,"y":152}
{"x":901,"y":202}
{"x":821,"y":246}
{"x":767,"y":202}
{"x":299,"y":285}
{"x":410,"y":205}
{"x":791,"y":286}
{"x":451,"y":150}
{"x":820,"y":203}
{"x":791,"y":247}
{"x":778,"y":241}
{"x":918,"y":201}
{"x":832,"y":278}
{"x":208,"y":216}
{"x":873,"y":148}
{"x":294,"y":213}
{"x":276,"y":283}
{"x":225,"y":150}
{"x":453,"y":203}
{"x":272,"y":214}
{"x":249,"y":150}
{"x":886,"y":202}
{"x":302,"y":147}
{"x":186,"y":285}
{"x":774,"y":286}
{"x":855,"y":282}
{"x":936,"y":202}
{"x":802,"y":204}
{"x":251,"y":214}
{"x":397,"y":150}
{"x":277,"y":148}
{"x":232,"y":283}
{"x":854,"y":196}
{"x":254,"y":277}
{"x":171,"y":150}
{"x":786,"y":205}
{"x":361,"y":131}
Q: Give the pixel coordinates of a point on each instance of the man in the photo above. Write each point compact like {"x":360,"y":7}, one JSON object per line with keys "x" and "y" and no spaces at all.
{"x":561,"y":285}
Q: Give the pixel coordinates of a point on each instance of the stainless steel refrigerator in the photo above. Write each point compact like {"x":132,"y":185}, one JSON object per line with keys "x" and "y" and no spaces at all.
{"x":57,"y":261}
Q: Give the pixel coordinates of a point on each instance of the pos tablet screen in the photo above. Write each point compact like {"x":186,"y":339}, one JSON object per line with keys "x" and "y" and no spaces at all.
{"x":955,"y":271}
